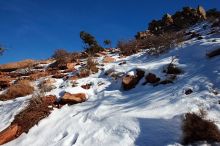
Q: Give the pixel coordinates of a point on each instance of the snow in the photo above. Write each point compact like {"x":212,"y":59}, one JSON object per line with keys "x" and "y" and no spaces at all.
{"x":145,"y":115}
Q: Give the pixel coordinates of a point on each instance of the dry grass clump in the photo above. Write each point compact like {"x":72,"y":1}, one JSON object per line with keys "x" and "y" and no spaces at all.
{"x":89,"y":68}
{"x":19,"y":89}
{"x":196,"y":128}
{"x":91,"y":65}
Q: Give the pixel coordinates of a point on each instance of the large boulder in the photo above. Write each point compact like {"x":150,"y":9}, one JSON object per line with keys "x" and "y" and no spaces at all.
{"x":9,"y":134}
{"x":130,"y":81}
{"x":69,"y":98}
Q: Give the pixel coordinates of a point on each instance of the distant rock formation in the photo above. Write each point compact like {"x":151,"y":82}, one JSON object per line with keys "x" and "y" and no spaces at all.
{"x":181,"y":19}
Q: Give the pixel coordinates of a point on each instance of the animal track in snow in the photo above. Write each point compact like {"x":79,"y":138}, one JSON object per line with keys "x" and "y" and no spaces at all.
{"x":75,"y":138}
{"x":71,"y":140}
{"x":73,"y":115}
{"x":61,"y":136}
{"x":84,"y":118}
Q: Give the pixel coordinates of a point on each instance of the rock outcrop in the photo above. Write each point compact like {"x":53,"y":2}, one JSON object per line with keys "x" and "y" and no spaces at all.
{"x":181,"y":19}
{"x":130,"y":81}
{"x":69,"y":98}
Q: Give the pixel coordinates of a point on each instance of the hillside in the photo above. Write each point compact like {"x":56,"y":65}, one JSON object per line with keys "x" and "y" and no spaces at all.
{"x":149,"y":114}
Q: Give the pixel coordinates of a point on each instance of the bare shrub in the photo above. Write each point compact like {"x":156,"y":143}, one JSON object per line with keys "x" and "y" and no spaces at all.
{"x":128,"y":47}
{"x":63,"y":57}
{"x":154,"y":44}
{"x":172,"y":68}
{"x":196,"y":128}
{"x":19,"y":89}
{"x":157,"y":45}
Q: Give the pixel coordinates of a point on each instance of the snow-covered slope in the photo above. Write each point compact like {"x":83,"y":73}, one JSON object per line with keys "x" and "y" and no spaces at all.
{"x":144,"y":116}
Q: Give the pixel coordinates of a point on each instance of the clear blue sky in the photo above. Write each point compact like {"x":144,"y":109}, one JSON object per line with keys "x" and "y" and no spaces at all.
{"x":35,"y":28}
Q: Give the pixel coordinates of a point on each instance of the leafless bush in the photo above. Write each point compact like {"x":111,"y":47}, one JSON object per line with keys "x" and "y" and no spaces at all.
{"x":172,"y":68}
{"x":154,"y":44}
{"x":128,"y":47}
{"x":157,"y":45}
{"x":63,"y":57}
{"x":196,"y":128}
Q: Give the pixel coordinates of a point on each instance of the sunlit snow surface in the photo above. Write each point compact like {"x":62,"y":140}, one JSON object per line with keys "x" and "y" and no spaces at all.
{"x":144,"y":116}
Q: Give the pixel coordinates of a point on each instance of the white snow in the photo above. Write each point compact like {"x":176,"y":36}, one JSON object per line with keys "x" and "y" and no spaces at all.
{"x":146,"y":115}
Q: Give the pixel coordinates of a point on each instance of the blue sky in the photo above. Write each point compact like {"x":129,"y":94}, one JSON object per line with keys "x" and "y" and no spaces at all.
{"x":35,"y":28}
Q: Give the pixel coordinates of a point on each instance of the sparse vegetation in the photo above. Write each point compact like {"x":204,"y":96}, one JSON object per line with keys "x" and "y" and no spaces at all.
{"x":90,"y":44}
{"x":172,"y":68}
{"x":107,"y":43}
{"x":19,"y":89}
{"x":63,"y":57}
{"x":155,"y":45}
{"x":196,"y":128}
{"x":91,"y":65}
{"x":128,"y":47}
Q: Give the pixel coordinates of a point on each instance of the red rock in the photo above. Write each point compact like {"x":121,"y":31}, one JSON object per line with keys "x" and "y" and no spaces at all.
{"x":129,"y":82}
{"x":86,"y":86}
{"x":50,"y":99}
{"x":108,"y":59}
{"x":69,"y":98}
{"x":70,"y":66}
{"x":9,"y":134}
{"x":73,"y":78}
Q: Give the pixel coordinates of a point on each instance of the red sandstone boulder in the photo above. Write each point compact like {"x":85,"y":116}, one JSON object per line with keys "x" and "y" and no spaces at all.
{"x":9,"y":134}
{"x":74,"y":78}
{"x":108,"y":59}
{"x":69,"y":98}
{"x":130,"y":81}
